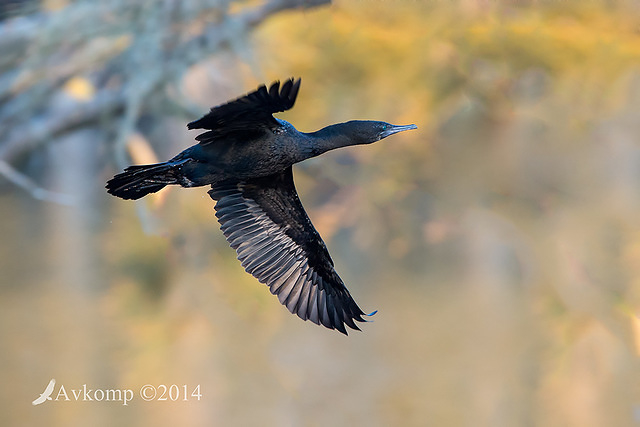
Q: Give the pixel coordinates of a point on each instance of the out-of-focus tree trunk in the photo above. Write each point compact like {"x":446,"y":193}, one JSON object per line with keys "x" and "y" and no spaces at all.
{"x":74,"y":83}
{"x":76,"y":273}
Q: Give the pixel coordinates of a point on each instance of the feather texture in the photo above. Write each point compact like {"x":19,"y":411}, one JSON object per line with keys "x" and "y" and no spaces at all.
{"x":248,"y":116}
{"x":264,"y":221}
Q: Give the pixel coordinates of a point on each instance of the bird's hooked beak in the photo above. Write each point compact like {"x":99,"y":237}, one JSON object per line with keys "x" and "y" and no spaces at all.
{"x":395,"y":129}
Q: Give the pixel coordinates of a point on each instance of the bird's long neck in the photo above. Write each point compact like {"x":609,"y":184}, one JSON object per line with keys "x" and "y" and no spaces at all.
{"x":328,"y":138}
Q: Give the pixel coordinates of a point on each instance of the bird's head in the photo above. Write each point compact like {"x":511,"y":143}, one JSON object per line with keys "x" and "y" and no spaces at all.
{"x":355,"y":132}
{"x":369,"y":131}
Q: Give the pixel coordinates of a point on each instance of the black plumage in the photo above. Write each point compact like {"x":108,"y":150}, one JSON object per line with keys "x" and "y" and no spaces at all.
{"x":252,"y":113}
{"x":246,"y":156}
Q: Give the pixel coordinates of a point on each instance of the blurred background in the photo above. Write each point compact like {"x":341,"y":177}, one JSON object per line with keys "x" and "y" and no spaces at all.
{"x":500,"y":241}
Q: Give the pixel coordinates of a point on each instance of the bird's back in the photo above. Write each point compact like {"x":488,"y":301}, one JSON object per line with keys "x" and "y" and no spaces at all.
{"x":246,"y":156}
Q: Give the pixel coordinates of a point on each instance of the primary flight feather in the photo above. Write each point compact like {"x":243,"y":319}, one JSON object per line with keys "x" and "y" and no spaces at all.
{"x":246,"y":156}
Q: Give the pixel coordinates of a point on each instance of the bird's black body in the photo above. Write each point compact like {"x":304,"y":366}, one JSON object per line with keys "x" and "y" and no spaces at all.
{"x":246,"y":156}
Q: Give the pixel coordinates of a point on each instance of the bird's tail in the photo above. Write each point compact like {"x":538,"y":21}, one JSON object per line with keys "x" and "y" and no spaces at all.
{"x":138,"y":181}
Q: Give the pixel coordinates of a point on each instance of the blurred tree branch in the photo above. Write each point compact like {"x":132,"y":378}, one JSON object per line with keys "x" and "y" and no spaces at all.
{"x":27,"y":184}
{"x":126,"y":54}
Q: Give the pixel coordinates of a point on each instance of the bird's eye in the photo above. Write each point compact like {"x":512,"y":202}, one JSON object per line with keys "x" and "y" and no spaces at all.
{"x":384,"y":127}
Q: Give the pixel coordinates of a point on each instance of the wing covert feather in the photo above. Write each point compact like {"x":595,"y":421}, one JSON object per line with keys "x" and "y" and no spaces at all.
{"x":264,"y":221}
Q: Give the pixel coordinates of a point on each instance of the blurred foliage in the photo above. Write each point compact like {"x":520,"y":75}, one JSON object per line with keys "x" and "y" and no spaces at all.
{"x":500,"y":241}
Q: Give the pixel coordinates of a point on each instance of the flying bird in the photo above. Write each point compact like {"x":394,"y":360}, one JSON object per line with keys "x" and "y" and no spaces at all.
{"x":246,"y":156}
{"x":46,"y":394}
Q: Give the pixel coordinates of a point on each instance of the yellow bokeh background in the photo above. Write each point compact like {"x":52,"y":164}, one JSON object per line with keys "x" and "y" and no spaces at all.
{"x":500,"y":241}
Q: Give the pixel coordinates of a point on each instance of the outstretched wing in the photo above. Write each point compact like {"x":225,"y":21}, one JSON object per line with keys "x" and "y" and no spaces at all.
{"x":45,"y":394}
{"x":49,"y":389}
{"x":39,"y":400}
{"x":249,"y":115}
{"x":264,"y":221}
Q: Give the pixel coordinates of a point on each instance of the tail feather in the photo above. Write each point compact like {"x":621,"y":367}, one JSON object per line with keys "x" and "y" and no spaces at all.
{"x":138,"y":181}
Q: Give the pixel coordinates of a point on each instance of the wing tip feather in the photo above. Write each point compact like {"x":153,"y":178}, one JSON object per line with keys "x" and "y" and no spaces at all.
{"x":280,"y":262}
